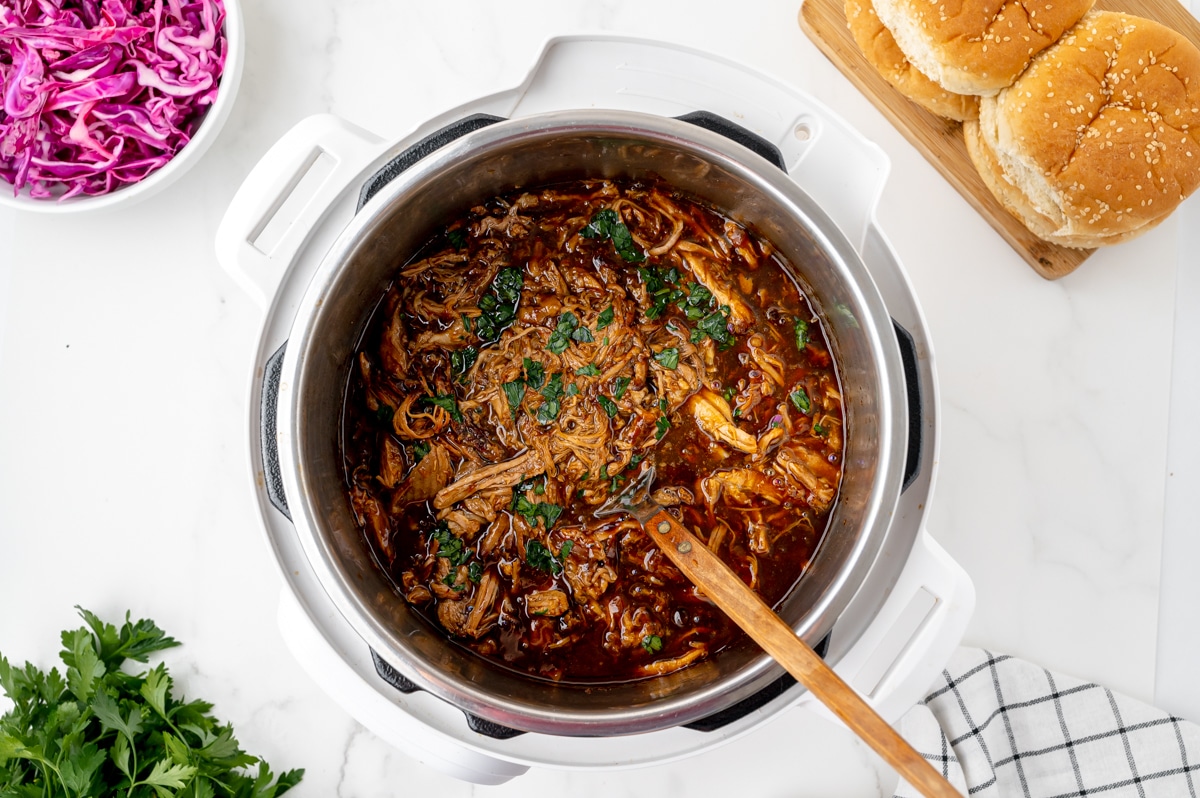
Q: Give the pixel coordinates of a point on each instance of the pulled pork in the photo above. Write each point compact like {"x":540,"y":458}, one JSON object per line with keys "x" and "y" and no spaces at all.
{"x":522,"y":367}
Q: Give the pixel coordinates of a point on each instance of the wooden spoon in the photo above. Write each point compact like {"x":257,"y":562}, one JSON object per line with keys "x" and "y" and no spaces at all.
{"x":718,"y":581}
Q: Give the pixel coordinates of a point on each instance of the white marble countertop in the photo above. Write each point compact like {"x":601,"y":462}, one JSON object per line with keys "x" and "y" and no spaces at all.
{"x":126,"y":352}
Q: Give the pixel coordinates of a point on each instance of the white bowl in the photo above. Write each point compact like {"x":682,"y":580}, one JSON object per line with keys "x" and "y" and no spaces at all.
{"x":183,"y":160}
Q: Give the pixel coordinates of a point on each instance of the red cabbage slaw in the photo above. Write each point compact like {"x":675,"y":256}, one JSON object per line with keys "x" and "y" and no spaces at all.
{"x":98,"y":94}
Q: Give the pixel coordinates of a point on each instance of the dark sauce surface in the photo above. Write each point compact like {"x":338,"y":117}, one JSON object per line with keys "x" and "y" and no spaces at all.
{"x":523,"y":367}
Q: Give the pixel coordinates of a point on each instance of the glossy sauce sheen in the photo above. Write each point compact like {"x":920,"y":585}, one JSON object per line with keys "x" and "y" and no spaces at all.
{"x":744,"y":423}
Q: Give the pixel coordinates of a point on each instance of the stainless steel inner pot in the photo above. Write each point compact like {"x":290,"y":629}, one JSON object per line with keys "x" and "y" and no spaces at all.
{"x":534,"y":151}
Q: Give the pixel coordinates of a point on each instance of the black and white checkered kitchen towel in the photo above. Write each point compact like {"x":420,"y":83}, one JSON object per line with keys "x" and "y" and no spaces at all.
{"x":1001,"y":727}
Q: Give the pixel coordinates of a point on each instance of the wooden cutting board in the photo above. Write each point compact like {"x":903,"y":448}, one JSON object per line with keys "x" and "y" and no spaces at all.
{"x":940,"y":140}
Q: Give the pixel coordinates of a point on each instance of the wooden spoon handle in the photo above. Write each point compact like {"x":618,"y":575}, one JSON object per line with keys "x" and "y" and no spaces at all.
{"x":751,"y":613}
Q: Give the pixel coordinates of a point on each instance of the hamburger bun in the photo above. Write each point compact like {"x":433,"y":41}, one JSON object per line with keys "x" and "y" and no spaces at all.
{"x":881,"y":51}
{"x":1099,"y":139}
{"x":976,"y":46}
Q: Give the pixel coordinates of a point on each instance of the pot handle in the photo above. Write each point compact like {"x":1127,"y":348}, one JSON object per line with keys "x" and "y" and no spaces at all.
{"x":913,"y":635}
{"x":735,"y":132}
{"x":912,"y":384}
{"x":268,"y":432}
{"x":286,"y":196}
{"x":426,"y":146}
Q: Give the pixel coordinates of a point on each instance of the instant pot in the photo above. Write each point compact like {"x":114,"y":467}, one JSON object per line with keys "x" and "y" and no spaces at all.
{"x":316,"y":232}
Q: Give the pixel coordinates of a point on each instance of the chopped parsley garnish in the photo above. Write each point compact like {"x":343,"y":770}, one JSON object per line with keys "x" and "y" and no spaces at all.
{"x":605,"y":318}
{"x":461,"y":361}
{"x":548,"y":411}
{"x":420,"y":449}
{"x":590,"y":370}
{"x":820,"y":430}
{"x":661,"y":426}
{"x":800,"y":326}
{"x":449,"y":546}
{"x":572,"y":390}
{"x":606,"y":224}
{"x":660,"y":289}
{"x":729,"y":393}
{"x":514,"y":392}
{"x":800,"y":399}
{"x":542,"y":558}
{"x":652,"y":643}
{"x":608,"y":405}
{"x":622,"y":384}
{"x":560,"y":339}
{"x":615,"y":483}
{"x":457,"y":237}
{"x":553,"y":389}
{"x":669,"y":357}
{"x":566,"y":549}
{"x":451,"y":580}
{"x":715,"y":326}
{"x":699,"y":302}
{"x":384,"y":414}
{"x":532,"y":511}
{"x":535,"y":373}
{"x":552,"y":392}
{"x":498,"y":307}
{"x":447,"y":403}
{"x":583,"y":335}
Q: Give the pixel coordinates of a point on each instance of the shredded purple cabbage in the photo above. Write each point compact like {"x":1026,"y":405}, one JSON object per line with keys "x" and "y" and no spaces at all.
{"x":98,"y":94}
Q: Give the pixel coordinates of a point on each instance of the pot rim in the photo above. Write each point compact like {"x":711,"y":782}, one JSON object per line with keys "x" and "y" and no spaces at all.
{"x":779,"y":188}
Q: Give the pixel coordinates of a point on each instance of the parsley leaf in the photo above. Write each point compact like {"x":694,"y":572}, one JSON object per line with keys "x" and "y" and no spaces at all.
{"x":420,"y":449}
{"x":652,"y":643}
{"x":560,"y":339}
{"x":606,"y":224}
{"x":449,"y":546}
{"x":572,"y":390}
{"x":548,"y":512}
{"x":715,"y":326}
{"x":129,"y":736}
{"x":800,"y":399}
{"x":583,"y":335}
{"x":820,"y":430}
{"x":457,"y":237}
{"x":605,"y":318}
{"x":447,"y":403}
{"x":729,"y":393}
{"x":669,"y":358}
{"x":535,"y":373}
{"x":659,"y":289}
{"x":552,"y":391}
{"x":541,"y":558}
{"x":514,"y":392}
{"x":661,"y":426}
{"x":608,"y":405}
{"x":590,"y":370}
{"x":548,"y":411}
{"x":498,"y":307}
{"x":622,"y":384}
{"x":800,"y":327}
{"x":474,"y":571}
{"x":699,"y":302}
{"x":384,"y":414}
{"x":461,"y":361}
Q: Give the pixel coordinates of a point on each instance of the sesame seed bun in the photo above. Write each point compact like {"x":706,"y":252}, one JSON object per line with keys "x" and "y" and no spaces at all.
{"x":976,"y":46}
{"x":1099,"y":139}
{"x":882,"y":52}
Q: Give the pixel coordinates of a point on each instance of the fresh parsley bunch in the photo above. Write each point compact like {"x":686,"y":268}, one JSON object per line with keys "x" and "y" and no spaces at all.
{"x":103,"y":732}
